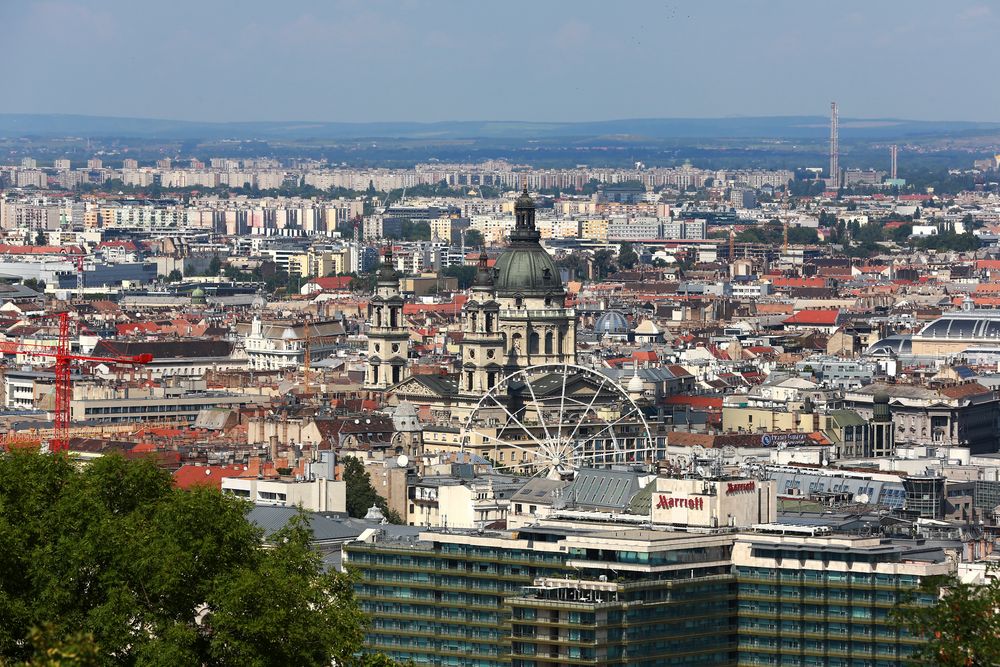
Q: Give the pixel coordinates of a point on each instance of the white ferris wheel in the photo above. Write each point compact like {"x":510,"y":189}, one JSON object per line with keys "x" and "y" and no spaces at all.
{"x":553,"y":419}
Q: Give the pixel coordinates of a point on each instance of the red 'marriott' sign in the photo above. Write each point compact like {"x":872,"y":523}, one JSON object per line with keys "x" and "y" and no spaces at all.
{"x":739,"y":487}
{"x":666,"y":502}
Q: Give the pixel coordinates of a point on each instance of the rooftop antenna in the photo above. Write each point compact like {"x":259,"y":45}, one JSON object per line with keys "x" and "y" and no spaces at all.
{"x":834,"y":147}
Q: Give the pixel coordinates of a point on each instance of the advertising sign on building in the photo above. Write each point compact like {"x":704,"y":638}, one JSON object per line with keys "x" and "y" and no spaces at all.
{"x":714,"y":503}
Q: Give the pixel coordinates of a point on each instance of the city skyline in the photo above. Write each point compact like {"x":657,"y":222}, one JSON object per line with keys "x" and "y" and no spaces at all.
{"x":357,"y":62}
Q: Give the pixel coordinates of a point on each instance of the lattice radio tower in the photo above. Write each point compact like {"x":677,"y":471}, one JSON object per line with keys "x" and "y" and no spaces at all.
{"x":834,"y":147}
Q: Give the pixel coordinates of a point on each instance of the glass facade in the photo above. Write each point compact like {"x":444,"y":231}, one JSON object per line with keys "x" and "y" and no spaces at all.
{"x":794,"y":615}
{"x":445,"y":603}
{"x":680,"y":622}
{"x":538,"y":603}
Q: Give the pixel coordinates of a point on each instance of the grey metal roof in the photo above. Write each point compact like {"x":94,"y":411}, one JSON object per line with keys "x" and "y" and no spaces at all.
{"x":325,"y":528}
{"x":598,"y":487}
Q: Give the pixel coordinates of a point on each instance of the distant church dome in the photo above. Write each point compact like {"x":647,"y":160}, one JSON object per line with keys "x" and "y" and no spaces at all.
{"x":611,"y":322}
{"x":525,"y":268}
{"x":635,"y":384}
{"x":198,"y":297}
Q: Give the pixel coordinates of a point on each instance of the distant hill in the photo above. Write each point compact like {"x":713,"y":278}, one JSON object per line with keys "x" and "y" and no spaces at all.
{"x":629,"y":130}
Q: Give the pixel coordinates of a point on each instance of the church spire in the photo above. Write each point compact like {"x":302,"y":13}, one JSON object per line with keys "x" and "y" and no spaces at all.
{"x":524,"y":217}
{"x":484,"y":276}
{"x":387,"y":273}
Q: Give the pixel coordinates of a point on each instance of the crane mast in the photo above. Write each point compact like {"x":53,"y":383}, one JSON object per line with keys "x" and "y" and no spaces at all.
{"x":64,"y":359}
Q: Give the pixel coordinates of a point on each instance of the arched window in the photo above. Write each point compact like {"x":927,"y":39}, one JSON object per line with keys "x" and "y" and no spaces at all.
{"x":533,"y":343}
{"x":548,"y":342}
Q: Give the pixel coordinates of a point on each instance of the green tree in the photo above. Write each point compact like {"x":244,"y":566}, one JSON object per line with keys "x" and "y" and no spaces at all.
{"x":474,"y":238}
{"x":113,"y":558}
{"x":604,"y":264}
{"x":40,"y":238}
{"x":802,"y":235}
{"x":361,"y":495}
{"x":961,"y":626}
{"x":901,"y":234}
{"x":465,"y":274}
{"x":949,"y":241}
{"x":627,"y":257}
{"x":363,"y":283}
{"x":48,"y":650}
{"x":574,"y":263}
{"x":215,"y":266}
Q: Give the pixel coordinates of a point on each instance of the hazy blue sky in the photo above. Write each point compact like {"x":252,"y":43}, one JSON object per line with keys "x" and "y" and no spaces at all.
{"x":358,"y":60}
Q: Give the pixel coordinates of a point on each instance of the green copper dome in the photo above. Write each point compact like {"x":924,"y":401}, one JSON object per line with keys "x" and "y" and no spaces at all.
{"x":527,"y":271}
{"x":525,"y":268}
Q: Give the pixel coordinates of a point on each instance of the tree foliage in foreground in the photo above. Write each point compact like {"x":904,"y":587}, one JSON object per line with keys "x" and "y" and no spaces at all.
{"x":111,"y":565}
{"x":361,"y":494}
{"x":962,"y":627}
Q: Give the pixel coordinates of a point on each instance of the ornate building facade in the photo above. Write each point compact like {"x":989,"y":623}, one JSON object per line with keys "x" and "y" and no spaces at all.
{"x":536,"y":324}
{"x":516,"y":317}
{"x":388,"y":337}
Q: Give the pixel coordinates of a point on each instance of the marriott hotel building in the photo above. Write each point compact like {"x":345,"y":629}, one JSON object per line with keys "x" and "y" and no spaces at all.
{"x":704,"y":577}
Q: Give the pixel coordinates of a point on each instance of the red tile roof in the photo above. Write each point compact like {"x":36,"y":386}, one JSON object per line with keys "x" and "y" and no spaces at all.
{"x":189,"y":476}
{"x":707,"y":402}
{"x":798,"y":282}
{"x":40,"y":249}
{"x":817,"y":317}
{"x":331,"y":283}
{"x":128,"y":245}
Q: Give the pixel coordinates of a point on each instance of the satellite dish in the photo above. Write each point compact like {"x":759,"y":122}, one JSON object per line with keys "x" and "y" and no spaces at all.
{"x":402,"y":460}
{"x":862,"y":498}
{"x":698,"y":451}
{"x":729,"y":453}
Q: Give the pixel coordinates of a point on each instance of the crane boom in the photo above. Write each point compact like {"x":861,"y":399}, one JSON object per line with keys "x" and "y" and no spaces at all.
{"x":63,"y":371}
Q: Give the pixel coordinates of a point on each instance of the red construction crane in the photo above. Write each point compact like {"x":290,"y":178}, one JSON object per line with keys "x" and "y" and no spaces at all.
{"x":64,"y":386}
